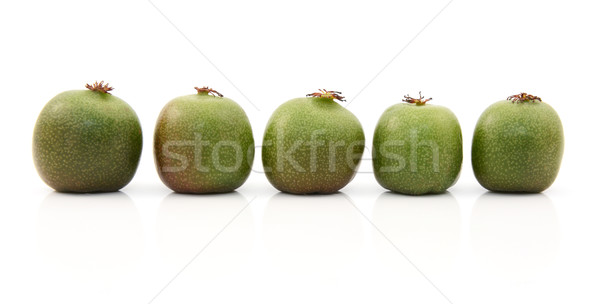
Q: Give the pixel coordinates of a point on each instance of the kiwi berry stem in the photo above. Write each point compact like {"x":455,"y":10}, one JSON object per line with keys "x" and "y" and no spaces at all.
{"x":327,"y":94}
{"x":523,"y":97}
{"x":418,"y":101}
{"x":99,"y":87}
{"x":207,"y":90}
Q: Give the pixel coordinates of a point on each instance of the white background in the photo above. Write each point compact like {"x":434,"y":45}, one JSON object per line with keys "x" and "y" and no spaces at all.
{"x":364,"y":245}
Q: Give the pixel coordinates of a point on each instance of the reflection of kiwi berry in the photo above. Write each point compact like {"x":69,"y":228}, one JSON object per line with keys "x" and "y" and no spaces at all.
{"x":87,"y":141}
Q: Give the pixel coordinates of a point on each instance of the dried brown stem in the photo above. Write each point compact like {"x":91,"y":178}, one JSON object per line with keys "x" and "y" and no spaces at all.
{"x":523,"y":97}
{"x":327,"y":94}
{"x":99,"y":87}
{"x":208,"y":90}
{"x":418,"y":101}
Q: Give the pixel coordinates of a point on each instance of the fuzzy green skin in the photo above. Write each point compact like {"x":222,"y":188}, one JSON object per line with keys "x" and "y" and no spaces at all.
{"x":395,"y":138}
{"x":294,"y":122}
{"x":214,"y":119}
{"x":87,"y":141}
{"x":517,"y":147}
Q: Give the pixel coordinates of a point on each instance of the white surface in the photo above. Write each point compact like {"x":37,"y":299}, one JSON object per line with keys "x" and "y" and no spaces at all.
{"x":474,"y":246}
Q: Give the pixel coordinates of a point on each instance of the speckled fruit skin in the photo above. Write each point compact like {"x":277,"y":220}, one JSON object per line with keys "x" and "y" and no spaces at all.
{"x":294,"y":122}
{"x":213,"y":119}
{"x":517,"y":147}
{"x":87,"y":141}
{"x":403,"y":153}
